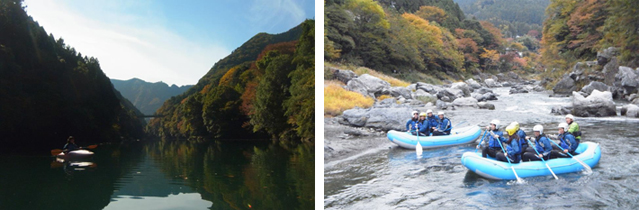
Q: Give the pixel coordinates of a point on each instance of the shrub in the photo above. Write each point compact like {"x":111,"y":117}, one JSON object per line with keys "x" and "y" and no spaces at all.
{"x":338,"y":99}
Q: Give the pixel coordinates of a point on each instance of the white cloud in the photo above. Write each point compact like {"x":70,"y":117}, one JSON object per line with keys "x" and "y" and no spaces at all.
{"x":270,"y":13}
{"x":149,"y":51}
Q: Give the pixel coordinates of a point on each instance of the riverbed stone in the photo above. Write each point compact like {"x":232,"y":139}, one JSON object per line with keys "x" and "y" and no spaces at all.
{"x":473,"y":84}
{"x":491,"y":83}
{"x":343,"y":75}
{"x":564,"y":87}
{"x":597,"y":104}
{"x":463,"y":87}
{"x":400,"y":91}
{"x":486,"y":105}
{"x":610,"y":71}
{"x":594,"y":85}
{"x":465,"y":102}
{"x":561,"y":110}
{"x":629,"y":80}
{"x":632,"y":110}
{"x":368,"y":85}
{"x":449,"y":94}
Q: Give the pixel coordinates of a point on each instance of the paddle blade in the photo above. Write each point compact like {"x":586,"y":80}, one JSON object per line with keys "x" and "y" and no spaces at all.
{"x":55,"y":152}
{"x":419,"y":149}
{"x":92,"y":146}
{"x":586,"y":166}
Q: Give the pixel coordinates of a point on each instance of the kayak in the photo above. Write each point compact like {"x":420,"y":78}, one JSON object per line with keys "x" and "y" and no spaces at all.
{"x":589,"y":153}
{"x":75,"y":154}
{"x":457,"y":136}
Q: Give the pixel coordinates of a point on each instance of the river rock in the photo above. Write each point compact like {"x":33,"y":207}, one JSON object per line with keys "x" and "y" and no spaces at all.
{"x":628,"y":78}
{"x":389,"y":102}
{"x":594,"y":85}
{"x":473,"y":84}
{"x":465,"y":102}
{"x":449,"y":94}
{"x":424,"y":96}
{"x":354,"y":117}
{"x":564,"y":87}
{"x":610,"y":71}
{"x":400,"y":91}
{"x":441,"y":105}
{"x":485,"y":105}
{"x":632,"y":110}
{"x":432,"y":89}
{"x":368,"y":85}
{"x":491,"y":83}
{"x":463,"y":87}
{"x":518,"y":89}
{"x":597,"y":104}
{"x":343,"y":75}
{"x":632,"y":97}
{"x":606,"y":55}
{"x":561,"y":110}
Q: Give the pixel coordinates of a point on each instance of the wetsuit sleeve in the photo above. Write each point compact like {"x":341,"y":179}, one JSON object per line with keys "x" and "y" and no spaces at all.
{"x":546,"y":146}
{"x":448,"y":125}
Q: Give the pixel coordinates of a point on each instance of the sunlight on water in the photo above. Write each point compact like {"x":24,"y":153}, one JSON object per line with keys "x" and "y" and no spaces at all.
{"x":179,"y":201}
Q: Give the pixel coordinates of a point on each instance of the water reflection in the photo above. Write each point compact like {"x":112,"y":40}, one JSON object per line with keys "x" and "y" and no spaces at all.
{"x":164,"y":175}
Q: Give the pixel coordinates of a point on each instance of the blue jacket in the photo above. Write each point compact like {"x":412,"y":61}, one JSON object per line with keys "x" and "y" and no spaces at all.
{"x":514,"y":150}
{"x":432,"y":121}
{"x":522,"y":138}
{"x":444,"y":125}
{"x":494,"y":143}
{"x":568,"y":142}
{"x":424,"y":127}
{"x":543,"y":146}
{"x":410,"y":125}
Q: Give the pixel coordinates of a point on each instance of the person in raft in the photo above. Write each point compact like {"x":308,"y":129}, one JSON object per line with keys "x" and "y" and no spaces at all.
{"x":567,"y":142}
{"x":513,"y":149}
{"x":522,"y":137}
{"x":443,"y":125}
{"x":411,"y":125}
{"x":70,"y":146}
{"x":432,"y":121}
{"x":493,"y":140}
{"x":423,"y":125}
{"x":573,"y":127}
{"x":542,"y":144}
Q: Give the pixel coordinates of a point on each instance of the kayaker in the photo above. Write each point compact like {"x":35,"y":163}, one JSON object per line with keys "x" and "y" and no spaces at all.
{"x":411,"y":125}
{"x":522,"y":137}
{"x":542,"y":144}
{"x":432,"y":121}
{"x":70,"y":146}
{"x":424,"y":129}
{"x":567,"y":141}
{"x":443,"y":125}
{"x":493,"y":140}
{"x":573,"y":127}
{"x":513,"y":149}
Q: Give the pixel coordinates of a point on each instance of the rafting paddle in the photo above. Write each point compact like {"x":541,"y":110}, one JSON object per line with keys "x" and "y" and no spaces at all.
{"x":508,"y":159}
{"x":481,"y":140}
{"x":55,"y":152}
{"x":542,"y":159}
{"x":418,"y":147}
{"x":587,"y":167}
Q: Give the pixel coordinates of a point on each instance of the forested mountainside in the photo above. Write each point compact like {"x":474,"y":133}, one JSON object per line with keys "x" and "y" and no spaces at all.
{"x":147,"y":96}
{"x":414,"y":38}
{"x":576,"y":30}
{"x":49,"y":91}
{"x":513,"y":18}
{"x":264,"y":89}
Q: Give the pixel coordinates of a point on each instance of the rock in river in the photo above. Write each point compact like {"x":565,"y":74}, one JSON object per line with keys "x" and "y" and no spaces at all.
{"x":597,"y":104}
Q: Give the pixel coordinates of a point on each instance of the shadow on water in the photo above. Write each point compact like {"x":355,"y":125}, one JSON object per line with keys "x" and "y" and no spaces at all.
{"x":164,"y":175}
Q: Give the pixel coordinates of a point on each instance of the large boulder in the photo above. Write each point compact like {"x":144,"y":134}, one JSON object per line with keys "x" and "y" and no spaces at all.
{"x":594,"y":85}
{"x":380,"y":118}
{"x":424,"y":96}
{"x":473,"y":84}
{"x":449,"y":94}
{"x":465,"y":102}
{"x":343,"y":75}
{"x":561,"y":110}
{"x":629,"y":80}
{"x":631,"y":110}
{"x":400,"y":91}
{"x":432,"y":89}
{"x":606,"y":55}
{"x":463,"y":87}
{"x":485,"y":105}
{"x":441,"y":105}
{"x":597,"y":104}
{"x":610,"y":71}
{"x":564,"y":87}
{"x":368,"y":85}
{"x":519,"y":89}
{"x":491,"y":83}
{"x":356,"y":117}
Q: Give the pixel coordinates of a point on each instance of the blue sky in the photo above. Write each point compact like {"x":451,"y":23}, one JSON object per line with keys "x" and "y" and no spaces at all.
{"x":176,"y":42}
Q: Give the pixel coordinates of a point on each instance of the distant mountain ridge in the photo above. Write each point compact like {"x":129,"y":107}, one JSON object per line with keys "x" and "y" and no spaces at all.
{"x":147,"y":96}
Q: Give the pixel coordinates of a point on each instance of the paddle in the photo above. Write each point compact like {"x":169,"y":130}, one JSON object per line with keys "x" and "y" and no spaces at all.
{"x":508,"y":159}
{"x":55,"y":152}
{"x":462,"y":122}
{"x":542,"y":159}
{"x":587,"y":167}
{"x":481,"y":140}
{"x":418,"y":147}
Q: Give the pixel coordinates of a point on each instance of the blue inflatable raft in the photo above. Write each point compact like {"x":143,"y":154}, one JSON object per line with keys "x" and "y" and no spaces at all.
{"x":457,"y":136}
{"x":589,"y":153}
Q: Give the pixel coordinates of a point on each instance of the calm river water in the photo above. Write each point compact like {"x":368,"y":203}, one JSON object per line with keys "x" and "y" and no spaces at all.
{"x":219,"y":175}
{"x":383,"y":176}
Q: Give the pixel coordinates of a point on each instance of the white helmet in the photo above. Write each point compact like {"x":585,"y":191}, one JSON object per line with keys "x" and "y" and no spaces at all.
{"x":413,"y":113}
{"x":495,"y":122}
{"x":570,"y":116}
{"x":539,"y":128}
{"x":440,"y":113}
{"x":429,"y":111}
{"x":564,"y":126}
